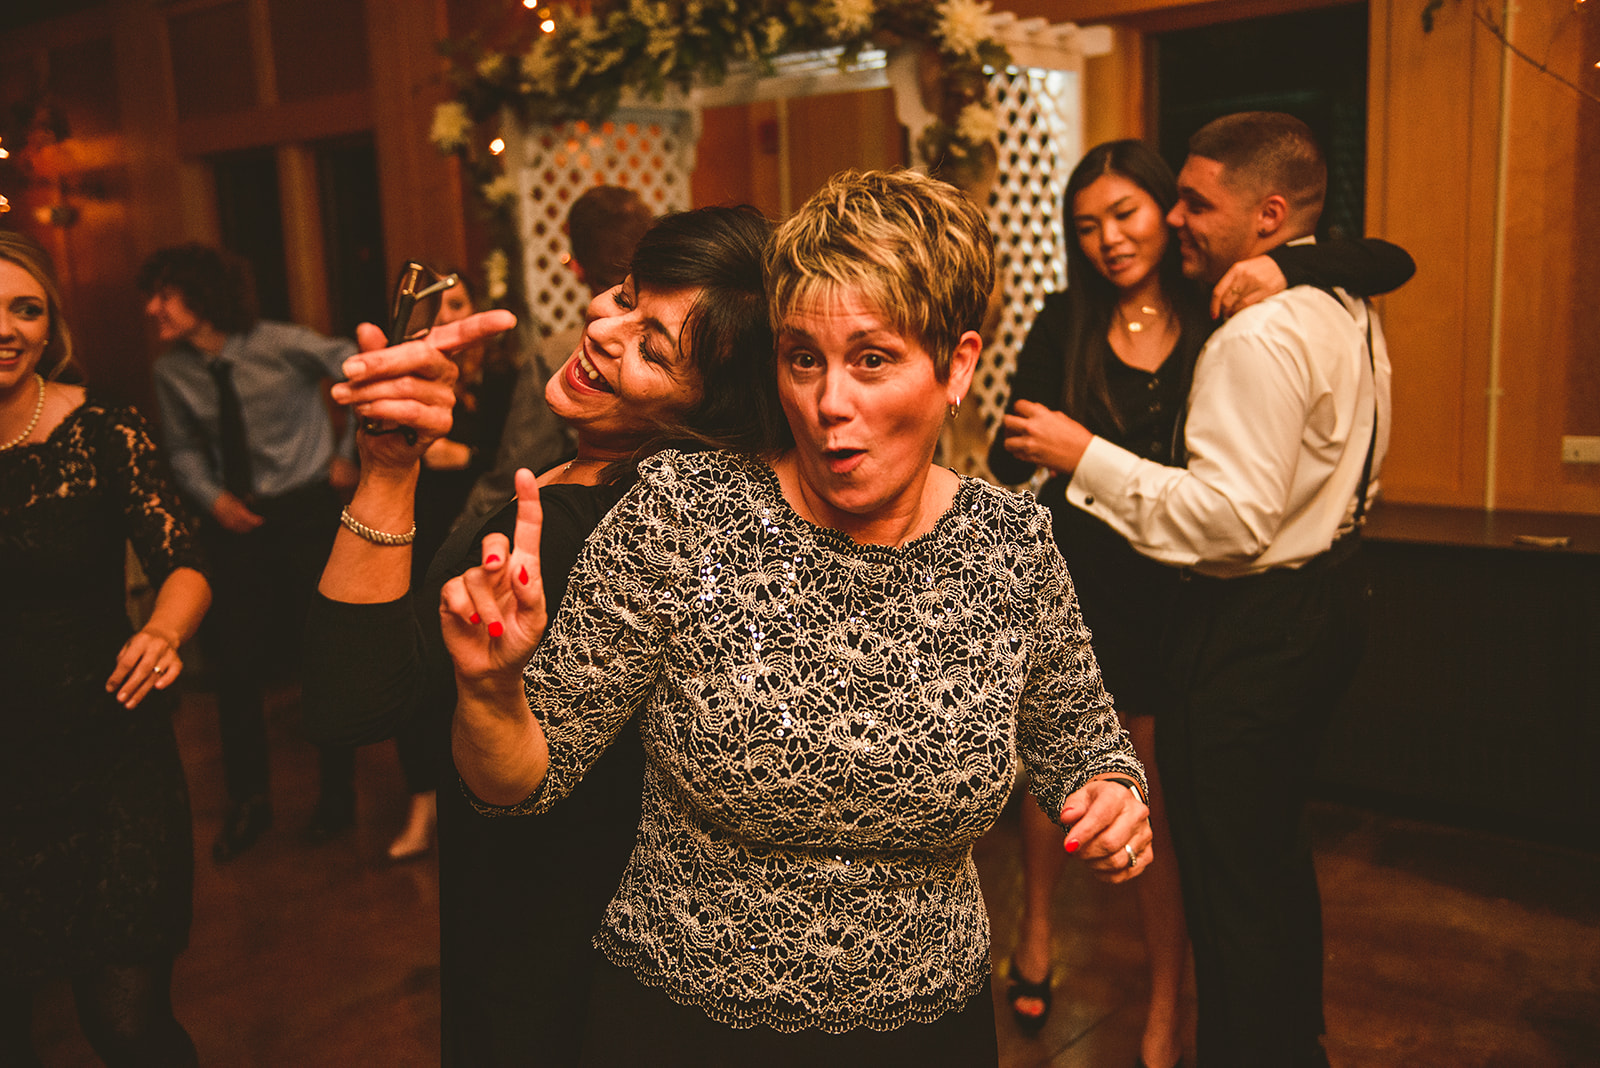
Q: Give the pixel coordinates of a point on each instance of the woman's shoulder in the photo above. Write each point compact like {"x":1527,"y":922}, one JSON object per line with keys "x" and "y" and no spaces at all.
{"x":998,"y":499}
{"x":1007,"y":513}
{"x":695,"y":471}
{"x":92,"y":411}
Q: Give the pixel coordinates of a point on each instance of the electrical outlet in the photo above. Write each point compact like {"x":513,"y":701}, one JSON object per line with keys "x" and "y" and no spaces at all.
{"x":1580,"y":450}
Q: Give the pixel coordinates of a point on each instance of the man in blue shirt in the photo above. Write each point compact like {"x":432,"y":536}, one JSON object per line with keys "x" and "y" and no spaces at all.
{"x":251,"y":443}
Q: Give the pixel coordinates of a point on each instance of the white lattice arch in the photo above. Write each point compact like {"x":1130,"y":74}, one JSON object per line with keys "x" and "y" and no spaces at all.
{"x":651,"y":148}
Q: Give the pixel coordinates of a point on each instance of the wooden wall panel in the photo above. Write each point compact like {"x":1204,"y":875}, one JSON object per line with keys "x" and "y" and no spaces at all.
{"x":838,"y":131}
{"x":724,"y":158}
{"x":1436,"y":329}
{"x":213,"y":60}
{"x":423,"y":207}
{"x":1114,"y":90}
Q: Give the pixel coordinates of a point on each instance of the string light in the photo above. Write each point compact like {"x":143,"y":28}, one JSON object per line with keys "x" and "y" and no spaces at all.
{"x":5,"y":205}
{"x":531,"y":4}
{"x":497,"y":146}
{"x":548,"y":25}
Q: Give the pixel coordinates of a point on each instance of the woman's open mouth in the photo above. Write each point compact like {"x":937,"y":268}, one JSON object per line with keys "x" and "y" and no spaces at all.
{"x":584,"y":375}
{"x":843,"y":461}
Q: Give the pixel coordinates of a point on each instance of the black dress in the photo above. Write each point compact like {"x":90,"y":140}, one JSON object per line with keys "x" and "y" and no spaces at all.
{"x":520,"y":899}
{"x":478,"y":420}
{"x":96,"y":861}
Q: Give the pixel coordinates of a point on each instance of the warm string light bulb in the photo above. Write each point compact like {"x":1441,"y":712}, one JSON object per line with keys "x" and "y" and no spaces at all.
{"x":497,"y":146}
{"x":548,"y":25}
{"x":530,"y":4}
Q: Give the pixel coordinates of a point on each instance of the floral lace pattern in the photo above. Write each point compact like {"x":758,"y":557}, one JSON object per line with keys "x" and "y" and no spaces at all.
{"x":828,"y":729}
{"x":95,"y":842}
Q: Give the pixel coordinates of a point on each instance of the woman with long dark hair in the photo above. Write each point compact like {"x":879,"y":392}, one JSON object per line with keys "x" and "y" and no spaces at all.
{"x":1116,"y":351}
{"x":678,"y":354}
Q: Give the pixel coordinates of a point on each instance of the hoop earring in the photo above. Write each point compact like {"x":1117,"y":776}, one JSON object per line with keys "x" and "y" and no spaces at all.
{"x":955,"y":408}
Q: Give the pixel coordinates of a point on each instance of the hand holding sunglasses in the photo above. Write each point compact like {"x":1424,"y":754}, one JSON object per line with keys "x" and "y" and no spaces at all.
{"x":417,"y":294}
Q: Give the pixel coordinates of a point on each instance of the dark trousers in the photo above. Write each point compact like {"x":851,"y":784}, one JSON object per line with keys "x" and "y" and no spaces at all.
{"x":261,"y":591}
{"x":1259,"y":664}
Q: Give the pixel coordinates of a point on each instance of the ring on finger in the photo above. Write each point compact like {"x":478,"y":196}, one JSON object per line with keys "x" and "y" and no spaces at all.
{"x":159,"y":670}
{"x":1133,"y":858}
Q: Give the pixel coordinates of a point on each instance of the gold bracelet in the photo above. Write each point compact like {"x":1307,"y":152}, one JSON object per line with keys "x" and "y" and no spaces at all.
{"x":376,"y":537}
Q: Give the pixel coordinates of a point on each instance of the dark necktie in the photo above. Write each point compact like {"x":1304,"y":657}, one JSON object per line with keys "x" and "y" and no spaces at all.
{"x":230,"y":419}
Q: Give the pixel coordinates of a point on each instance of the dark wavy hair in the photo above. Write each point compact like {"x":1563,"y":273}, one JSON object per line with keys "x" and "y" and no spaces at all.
{"x":726,"y":336}
{"x":1092,"y":300}
{"x":216,"y":285}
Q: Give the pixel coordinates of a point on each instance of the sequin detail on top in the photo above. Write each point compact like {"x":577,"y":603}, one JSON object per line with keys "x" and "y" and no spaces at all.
{"x":828,"y":728}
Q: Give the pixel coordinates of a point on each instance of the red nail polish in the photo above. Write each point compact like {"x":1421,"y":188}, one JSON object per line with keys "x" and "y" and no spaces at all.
{"x":473,"y":618}
{"x":522,"y":576}
{"x":1072,"y":845}
{"x":491,"y":559}
{"x":495,"y":629}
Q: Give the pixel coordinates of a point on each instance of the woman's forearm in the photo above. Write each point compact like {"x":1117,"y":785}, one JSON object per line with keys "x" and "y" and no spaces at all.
{"x":180,"y":605}
{"x":360,"y":571}
{"x":499,"y":746}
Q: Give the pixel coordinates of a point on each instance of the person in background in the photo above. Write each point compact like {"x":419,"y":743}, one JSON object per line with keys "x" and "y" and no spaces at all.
{"x":251,"y":443}
{"x":604,"y":226}
{"x":1286,"y":430}
{"x":96,"y":853}
{"x":837,"y":654}
{"x":1116,"y":350}
{"x":483,"y":392}
{"x":676,"y":353}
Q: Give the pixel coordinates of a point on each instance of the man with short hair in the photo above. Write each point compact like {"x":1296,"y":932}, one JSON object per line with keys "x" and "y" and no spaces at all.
{"x":248,"y":435}
{"x":1287,"y":426}
{"x":604,"y":226}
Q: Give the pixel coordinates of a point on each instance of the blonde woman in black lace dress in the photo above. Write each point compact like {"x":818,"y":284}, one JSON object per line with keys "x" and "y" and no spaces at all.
{"x":839,"y":655}
{"x":95,"y":854}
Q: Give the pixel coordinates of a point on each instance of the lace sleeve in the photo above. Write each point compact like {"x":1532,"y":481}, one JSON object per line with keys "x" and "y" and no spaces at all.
{"x":610,"y":638}
{"x":157,"y":523}
{"x":1068,"y":731}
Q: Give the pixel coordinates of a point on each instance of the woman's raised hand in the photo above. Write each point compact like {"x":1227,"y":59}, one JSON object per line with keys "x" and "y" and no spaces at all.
{"x":494,"y":615}
{"x":1247,"y":282}
{"x":1108,"y":828}
{"x":411,"y":385}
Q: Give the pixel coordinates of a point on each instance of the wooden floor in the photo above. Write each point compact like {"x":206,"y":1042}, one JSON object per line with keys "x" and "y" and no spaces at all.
{"x":1446,"y":949}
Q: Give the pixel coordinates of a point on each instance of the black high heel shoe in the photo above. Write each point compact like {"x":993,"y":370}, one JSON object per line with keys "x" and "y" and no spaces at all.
{"x":1029,"y":1023}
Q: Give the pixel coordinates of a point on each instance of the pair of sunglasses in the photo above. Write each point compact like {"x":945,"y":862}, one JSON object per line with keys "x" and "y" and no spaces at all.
{"x":417,"y":295}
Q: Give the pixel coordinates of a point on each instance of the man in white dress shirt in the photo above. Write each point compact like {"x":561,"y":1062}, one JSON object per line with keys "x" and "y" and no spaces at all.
{"x":1287,"y":426}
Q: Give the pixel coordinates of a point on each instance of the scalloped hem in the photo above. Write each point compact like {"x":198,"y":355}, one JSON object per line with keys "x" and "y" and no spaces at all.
{"x":780,"y":1017}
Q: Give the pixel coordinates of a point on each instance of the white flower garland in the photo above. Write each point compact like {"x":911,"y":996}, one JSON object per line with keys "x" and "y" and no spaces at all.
{"x":582,"y":69}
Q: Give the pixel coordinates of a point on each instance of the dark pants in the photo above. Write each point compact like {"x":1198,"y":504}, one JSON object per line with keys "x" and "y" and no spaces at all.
{"x":1259,"y":664}
{"x":262,"y":584}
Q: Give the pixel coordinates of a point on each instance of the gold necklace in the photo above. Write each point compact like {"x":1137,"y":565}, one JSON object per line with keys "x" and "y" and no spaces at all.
{"x":38,"y":410}
{"x":1144,"y":309}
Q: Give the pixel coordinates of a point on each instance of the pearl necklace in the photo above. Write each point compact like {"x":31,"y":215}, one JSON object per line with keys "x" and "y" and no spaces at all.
{"x":38,"y":410}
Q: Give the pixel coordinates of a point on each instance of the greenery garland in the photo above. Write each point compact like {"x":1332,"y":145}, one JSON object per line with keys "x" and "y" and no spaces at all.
{"x":582,"y":69}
